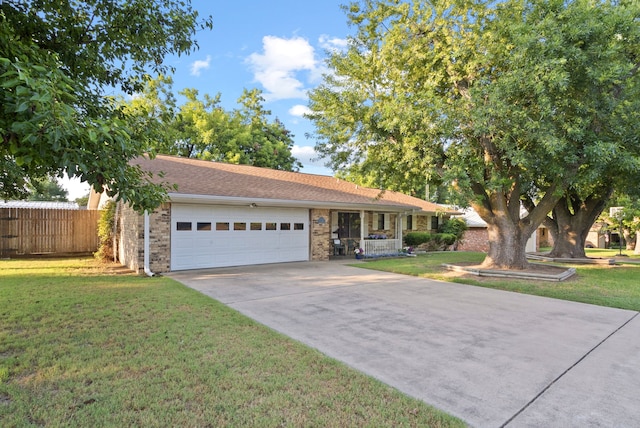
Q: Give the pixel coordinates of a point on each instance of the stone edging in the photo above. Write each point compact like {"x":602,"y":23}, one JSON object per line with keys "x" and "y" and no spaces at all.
{"x":512,"y":273}
{"x":587,"y":260}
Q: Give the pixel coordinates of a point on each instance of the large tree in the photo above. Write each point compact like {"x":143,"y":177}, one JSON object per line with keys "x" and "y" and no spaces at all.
{"x":490,"y":96}
{"x":47,"y":189}
{"x":58,"y":58}
{"x":201,"y":128}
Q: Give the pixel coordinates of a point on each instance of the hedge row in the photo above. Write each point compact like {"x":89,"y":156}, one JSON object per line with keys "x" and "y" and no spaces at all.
{"x":414,"y":239}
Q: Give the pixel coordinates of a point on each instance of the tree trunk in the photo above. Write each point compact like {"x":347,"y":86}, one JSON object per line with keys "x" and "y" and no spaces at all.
{"x":573,"y":218}
{"x":629,"y":244}
{"x":637,"y":249}
{"x":507,"y":245}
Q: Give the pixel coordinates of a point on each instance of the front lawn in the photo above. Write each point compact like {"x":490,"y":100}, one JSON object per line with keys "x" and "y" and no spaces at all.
{"x":82,"y":347}
{"x":616,"y":286}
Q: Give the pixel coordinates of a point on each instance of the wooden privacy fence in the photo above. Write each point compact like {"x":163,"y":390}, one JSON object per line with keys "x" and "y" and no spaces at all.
{"x":31,"y":231}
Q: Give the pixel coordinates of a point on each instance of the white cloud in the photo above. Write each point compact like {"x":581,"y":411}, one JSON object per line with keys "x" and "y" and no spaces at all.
{"x":277,"y":68}
{"x":332,"y":43}
{"x":199,"y":65}
{"x":306,"y":155}
{"x":299,"y":110}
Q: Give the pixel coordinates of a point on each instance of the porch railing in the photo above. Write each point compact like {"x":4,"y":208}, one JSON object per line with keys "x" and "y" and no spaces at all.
{"x":381,"y":247}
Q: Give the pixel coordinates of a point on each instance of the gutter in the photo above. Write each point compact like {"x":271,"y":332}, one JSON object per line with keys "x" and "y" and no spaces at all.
{"x":147,"y":270}
{"x":285,"y":203}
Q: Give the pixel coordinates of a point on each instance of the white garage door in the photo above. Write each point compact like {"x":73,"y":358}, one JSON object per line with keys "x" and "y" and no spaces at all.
{"x":215,"y":236}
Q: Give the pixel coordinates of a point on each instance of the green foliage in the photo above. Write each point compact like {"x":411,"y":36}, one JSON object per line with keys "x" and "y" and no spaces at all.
{"x":106,"y":231}
{"x":47,"y":189}
{"x":82,"y":201}
{"x":431,"y":241}
{"x":201,"y":128}
{"x":499,"y":99}
{"x":454,"y":226}
{"x":57,"y":59}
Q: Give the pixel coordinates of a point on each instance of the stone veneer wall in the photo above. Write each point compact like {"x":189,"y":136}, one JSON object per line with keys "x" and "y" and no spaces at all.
{"x":320,"y":235}
{"x":131,"y":239}
{"x":373,"y":228}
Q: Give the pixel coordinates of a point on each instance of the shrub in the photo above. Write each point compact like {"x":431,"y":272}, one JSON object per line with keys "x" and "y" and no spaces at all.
{"x":413,"y":239}
{"x":429,"y":241}
{"x":445,"y":238}
{"x":455,"y":226}
{"x":105,"y":231}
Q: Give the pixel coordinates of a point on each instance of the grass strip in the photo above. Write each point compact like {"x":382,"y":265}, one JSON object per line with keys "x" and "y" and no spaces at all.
{"x":80,"y":347}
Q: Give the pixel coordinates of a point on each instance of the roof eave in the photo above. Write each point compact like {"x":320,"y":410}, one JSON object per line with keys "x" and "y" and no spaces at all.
{"x":261,"y":202}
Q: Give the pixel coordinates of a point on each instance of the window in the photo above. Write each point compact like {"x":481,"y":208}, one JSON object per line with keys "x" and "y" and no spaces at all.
{"x":285,"y":226}
{"x":298,"y":226}
{"x":270,"y":226}
{"x":348,"y":225}
{"x":409,"y":222}
{"x":222,"y":226}
{"x":256,"y":226}
{"x":204,"y":226}
{"x":434,"y":222}
{"x":183,"y":225}
{"x":380,"y":221}
{"x":239,"y":226}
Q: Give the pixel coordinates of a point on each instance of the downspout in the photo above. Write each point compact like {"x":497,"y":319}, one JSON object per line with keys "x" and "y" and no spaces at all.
{"x":147,"y":270}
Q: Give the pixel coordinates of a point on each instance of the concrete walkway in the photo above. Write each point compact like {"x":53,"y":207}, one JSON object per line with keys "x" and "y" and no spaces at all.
{"x":490,"y":357}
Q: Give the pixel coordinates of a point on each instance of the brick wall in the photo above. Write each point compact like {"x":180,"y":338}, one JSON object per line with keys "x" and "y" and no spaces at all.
{"x":131,"y":239}
{"x":475,"y":239}
{"x":320,"y":235}
{"x":160,"y":239}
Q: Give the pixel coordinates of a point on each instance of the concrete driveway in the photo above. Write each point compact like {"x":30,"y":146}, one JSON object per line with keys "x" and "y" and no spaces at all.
{"x":492,"y":358}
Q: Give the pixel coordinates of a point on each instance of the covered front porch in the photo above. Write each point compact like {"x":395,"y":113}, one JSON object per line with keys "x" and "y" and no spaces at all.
{"x":372,"y":234}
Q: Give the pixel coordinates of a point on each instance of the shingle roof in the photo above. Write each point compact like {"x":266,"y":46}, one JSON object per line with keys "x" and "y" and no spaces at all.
{"x":215,"y":179}
{"x":472,"y":218}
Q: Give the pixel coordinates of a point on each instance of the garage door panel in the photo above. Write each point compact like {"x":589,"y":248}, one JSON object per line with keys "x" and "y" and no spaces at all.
{"x":193,"y":249}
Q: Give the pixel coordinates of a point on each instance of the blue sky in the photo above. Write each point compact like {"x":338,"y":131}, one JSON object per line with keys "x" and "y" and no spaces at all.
{"x":276,"y":46}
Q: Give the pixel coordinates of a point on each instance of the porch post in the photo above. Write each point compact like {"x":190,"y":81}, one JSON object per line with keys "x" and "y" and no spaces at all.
{"x":362,"y":226}
{"x":399,"y":229}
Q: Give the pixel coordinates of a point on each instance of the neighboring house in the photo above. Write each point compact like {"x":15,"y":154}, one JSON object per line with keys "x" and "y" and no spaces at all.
{"x":596,"y":238}
{"x":231,"y":215}
{"x":476,"y":237}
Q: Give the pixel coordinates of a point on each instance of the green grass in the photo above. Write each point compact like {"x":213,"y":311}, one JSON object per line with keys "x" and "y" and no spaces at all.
{"x":81,"y":347}
{"x":616,"y":286}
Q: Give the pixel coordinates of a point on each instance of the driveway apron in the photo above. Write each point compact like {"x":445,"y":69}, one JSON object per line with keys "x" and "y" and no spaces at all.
{"x":492,"y":358}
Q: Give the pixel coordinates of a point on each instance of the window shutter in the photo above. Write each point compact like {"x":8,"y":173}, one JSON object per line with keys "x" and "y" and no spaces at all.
{"x":334,"y":224}
{"x":374,"y":223}
{"x":414,"y":223}
{"x":386,"y":221}
{"x":404,"y":222}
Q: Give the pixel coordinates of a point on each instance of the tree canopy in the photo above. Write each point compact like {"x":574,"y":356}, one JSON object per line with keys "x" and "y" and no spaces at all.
{"x":201,"y":128}
{"x":58,"y":58}
{"x":500,"y":99}
{"x":47,"y":189}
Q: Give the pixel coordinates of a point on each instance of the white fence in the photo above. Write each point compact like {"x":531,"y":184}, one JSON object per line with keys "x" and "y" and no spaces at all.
{"x":381,"y":247}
